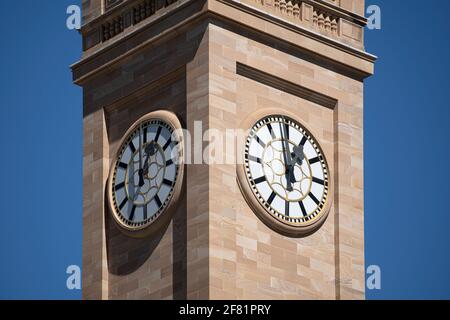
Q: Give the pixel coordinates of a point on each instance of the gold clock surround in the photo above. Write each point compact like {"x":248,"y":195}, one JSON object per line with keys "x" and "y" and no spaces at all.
{"x":286,"y":228}
{"x":162,"y":218}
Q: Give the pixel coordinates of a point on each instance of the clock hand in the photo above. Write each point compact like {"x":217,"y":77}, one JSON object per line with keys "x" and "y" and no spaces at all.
{"x":140,"y":147}
{"x":299,"y":155}
{"x":150,"y":150}
{"x":297,"y":158}
{"x":141,"y":171}
{"x":287,"y":159}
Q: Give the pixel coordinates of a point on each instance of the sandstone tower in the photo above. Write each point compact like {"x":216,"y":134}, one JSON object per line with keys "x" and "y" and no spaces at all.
{"x":219,"y":62}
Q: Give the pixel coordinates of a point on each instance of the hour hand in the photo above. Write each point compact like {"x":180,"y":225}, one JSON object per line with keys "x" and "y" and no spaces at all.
{"x":141,"y":177}
{"x":298,"y":155}
{"x":292,"y":176}
{"x":150,"y":150}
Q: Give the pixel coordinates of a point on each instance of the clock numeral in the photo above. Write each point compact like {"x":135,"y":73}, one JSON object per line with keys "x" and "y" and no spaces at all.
{"x":314,"y":198}
{"x":158,"y":201}
{"x":132,"y":147}
{"x":119,"y":186}
{"x":158,"y":133}
{"x":272,"y":133}
{"x":286,"y":208}
{"x":145,"y":135}
{"x":314,"y":160}
{"x":145,"y":213}
{"x":271,"y":198}
{"x":169,"y":162}
{"x":318,"y":181}
{"x":261,"y":143}
{"x":167,"y":144}
{"x":123,"y":165}
{"x":254,"y":159}
{"x":302,"y":207}
{"x":133,"y":210}
{"x":286,"y":128}
{"x":167,"y":182}
{"x":304,"y":139}
{"x":124,"y":202}
{"x":260,"y":180}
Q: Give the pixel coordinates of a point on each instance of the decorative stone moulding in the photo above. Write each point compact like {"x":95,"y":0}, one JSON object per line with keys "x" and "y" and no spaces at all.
{"x":325,"y":22}
{"x":325,"y":17}
{"x":123,"y":14}
{"x":111,"y":3}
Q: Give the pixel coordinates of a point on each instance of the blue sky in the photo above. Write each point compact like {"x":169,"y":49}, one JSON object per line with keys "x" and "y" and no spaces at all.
{"x":406,"y":148}
{"x":406,"y":151}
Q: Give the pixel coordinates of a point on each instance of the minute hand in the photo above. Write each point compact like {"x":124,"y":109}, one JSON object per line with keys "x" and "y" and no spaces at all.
{"x":287,"y":157}
{"x":141,"y":171}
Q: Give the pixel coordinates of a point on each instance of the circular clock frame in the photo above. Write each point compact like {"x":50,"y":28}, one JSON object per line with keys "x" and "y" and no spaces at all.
{"x":162,"y":217}
{"x":276,"y":223}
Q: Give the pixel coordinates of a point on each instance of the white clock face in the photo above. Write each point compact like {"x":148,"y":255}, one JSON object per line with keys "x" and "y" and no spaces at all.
{"x":286,"y":170}
{"x":145,"y":173}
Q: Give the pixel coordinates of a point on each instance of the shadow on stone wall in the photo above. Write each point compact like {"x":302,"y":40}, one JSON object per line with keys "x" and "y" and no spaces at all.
{"x":160,"y":252}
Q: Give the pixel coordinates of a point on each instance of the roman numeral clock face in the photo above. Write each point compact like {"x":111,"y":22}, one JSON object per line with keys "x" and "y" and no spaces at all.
{"x":146,"y":174}
{"x":286,"y":176}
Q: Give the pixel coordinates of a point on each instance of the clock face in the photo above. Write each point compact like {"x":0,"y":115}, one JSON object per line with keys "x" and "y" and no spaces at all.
{"x":145,"y":173}
{"x":286,"y":171}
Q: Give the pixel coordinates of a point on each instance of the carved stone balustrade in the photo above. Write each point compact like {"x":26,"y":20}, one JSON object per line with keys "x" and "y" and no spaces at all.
{"x":326,"y":17}
{"x":338,"y":20}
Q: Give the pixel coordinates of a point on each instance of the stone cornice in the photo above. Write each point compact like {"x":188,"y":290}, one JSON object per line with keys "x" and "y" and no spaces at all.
{"x":102,"y":57}
{"x":299,"y":29}
{"x":191,"y":12}
{"x":322,"y":4}
{"x":324,"y":17}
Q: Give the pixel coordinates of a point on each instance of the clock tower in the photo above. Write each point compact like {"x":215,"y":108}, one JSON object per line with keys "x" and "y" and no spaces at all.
{"x":278,"y":211}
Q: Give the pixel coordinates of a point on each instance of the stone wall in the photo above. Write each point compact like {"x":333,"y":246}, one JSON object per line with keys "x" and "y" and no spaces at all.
{"x":215,"y":247}
{"x":247,"y":259}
